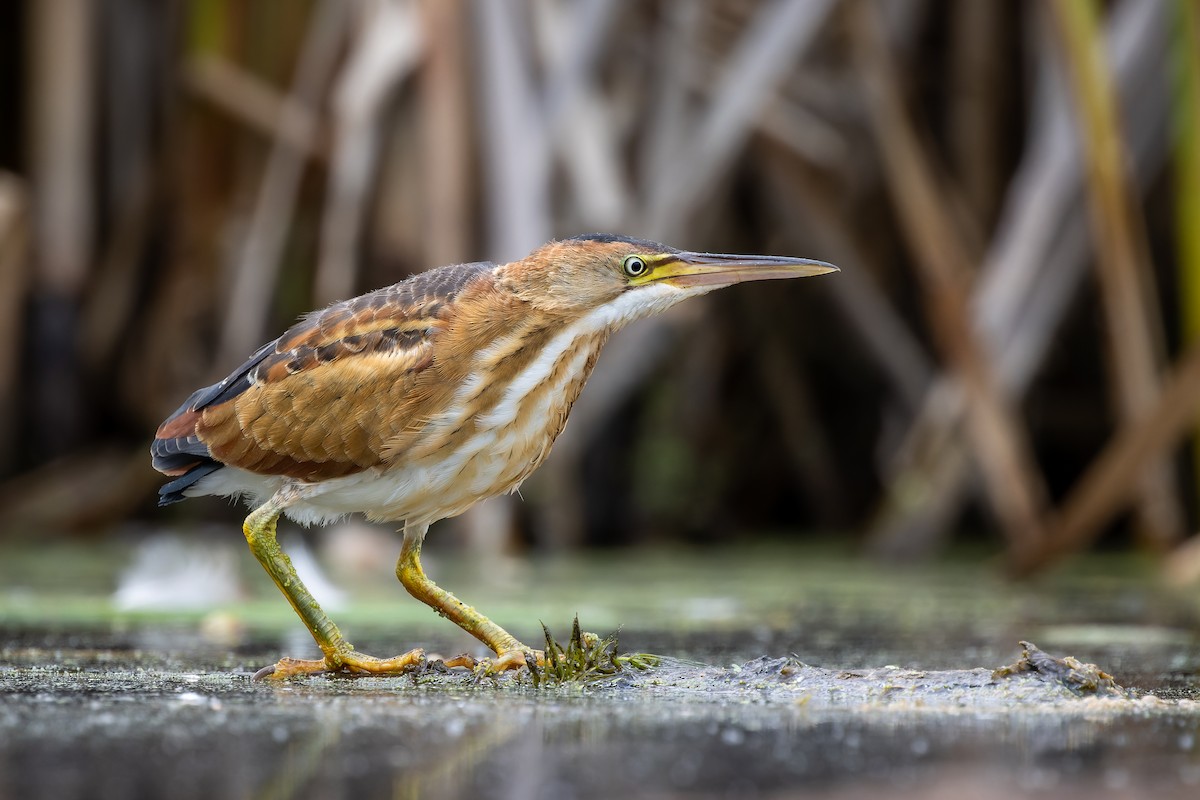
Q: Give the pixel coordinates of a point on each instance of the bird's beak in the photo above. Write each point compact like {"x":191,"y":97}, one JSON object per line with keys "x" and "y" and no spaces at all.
{"x":686,"y":270}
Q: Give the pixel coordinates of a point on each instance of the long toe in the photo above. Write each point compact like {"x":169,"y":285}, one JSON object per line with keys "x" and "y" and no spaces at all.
{"x":463,"y":661}
{"x":510,"y":660}
{"x":351,"y":663}
{"x":359,"y":664}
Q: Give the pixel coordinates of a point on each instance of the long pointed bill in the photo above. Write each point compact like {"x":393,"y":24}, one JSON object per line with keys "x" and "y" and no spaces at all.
{"x":687,"y":270}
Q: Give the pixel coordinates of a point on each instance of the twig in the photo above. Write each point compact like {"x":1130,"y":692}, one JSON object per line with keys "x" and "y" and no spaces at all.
{"x":887,"y":337}
{"x":1000,"y":441}
{"x":445,"y":134}
{"x":1035,"y":262}
{"x":257,"y":263}
{"x":978,"y":108}
{"x":14,"y":277}
{"x":1133,"y":327}
{"x":254,"y":103}
{"x":60,"y":96}
{"x":1110,"y":482}
{"x":770,"y":45}
{"x":385,"y":48}
{"x":512,"y":130}
{"x":1185,"y":47}
{"x":583,"y":128}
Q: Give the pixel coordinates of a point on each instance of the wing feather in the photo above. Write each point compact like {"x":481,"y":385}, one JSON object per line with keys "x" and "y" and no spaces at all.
{"x":324,"y":398}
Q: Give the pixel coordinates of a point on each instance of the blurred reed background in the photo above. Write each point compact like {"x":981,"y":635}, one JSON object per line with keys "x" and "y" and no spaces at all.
{"x":1012,"y":190}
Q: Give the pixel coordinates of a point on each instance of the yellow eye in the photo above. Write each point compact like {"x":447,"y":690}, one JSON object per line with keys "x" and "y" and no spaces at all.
{"x":634,"y":266}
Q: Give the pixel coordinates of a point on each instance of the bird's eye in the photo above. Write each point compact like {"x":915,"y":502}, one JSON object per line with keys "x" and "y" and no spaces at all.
{"x":634,"y":266}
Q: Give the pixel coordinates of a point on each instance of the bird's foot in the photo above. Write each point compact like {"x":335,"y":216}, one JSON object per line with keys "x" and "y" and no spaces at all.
{"x":513,"y":659}
{"x":350,"y":662}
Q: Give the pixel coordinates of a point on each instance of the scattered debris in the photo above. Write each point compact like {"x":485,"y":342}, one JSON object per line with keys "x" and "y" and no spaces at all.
{"x":1069,"y":671}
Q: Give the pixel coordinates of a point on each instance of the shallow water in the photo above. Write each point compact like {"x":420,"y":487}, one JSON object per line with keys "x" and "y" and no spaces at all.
{"x":889,"y":691}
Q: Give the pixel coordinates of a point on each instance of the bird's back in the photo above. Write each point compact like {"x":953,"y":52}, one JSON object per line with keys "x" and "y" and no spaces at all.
{"x":322,"y":400}
{"x":416,"y":400}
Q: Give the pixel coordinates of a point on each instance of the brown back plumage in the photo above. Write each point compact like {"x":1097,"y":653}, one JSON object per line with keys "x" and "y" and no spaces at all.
{"x":323,"y":399}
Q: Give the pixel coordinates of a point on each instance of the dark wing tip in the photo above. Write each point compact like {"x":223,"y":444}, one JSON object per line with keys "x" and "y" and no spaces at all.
{"x":175,"y":455}
{"x":178,"y":453}
{"x":172,"y":492}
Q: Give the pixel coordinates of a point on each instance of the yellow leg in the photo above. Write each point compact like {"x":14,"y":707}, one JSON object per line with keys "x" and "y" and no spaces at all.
{"x":510,"y":653}
{"x":340,"y":656}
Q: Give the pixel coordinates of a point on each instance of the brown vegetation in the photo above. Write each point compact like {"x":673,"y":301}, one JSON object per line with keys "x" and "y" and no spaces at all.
{"x":1011,"y":191}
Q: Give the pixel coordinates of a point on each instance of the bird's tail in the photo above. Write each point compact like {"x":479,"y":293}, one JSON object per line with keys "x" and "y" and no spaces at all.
{"x":178,"y":453}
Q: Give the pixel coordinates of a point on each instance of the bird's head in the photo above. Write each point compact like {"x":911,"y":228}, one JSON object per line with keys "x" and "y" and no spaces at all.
{"x":621,"y":279}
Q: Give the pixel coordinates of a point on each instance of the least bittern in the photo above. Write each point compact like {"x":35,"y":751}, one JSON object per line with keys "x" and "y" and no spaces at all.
{"x":414,"y":402}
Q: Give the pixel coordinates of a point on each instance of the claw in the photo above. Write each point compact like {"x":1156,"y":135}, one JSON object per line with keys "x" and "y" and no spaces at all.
{"x":463,"y":660}
{"x":293,"y":667}
{"x":440,"y":666}
{"x":508,"y":660}
{"x":514,"y":659}
{"x":264,"y":673}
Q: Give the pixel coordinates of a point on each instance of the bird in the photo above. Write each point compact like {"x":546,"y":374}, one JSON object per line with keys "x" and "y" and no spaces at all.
{"x":411,"y":403}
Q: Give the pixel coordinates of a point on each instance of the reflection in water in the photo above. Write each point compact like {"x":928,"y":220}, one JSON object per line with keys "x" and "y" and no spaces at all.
{"x":149,"y":733}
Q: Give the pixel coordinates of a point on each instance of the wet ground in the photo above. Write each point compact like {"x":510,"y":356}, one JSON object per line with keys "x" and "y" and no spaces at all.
{"x":788,"y":673}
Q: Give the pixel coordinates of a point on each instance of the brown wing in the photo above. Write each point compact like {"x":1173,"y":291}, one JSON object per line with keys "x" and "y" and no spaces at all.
{"x":321,"y":400}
